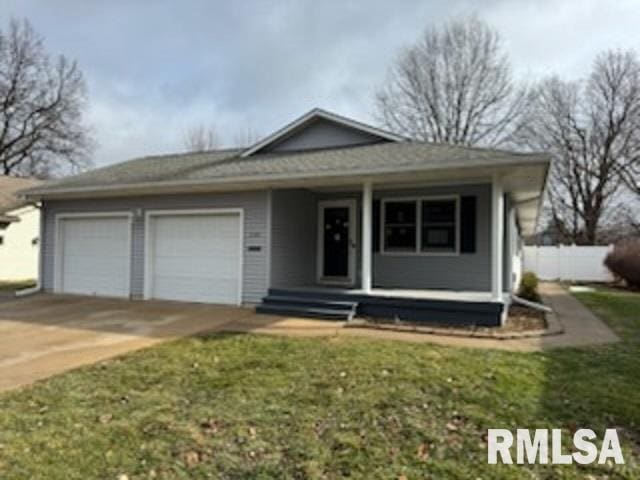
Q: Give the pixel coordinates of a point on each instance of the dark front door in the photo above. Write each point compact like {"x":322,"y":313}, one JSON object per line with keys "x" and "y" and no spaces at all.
{"x":336,"y":242}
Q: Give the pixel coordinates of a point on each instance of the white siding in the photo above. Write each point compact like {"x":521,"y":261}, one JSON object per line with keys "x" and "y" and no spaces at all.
{"x":19,"y":252}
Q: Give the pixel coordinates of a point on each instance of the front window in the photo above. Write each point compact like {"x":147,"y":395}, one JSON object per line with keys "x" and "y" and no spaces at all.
{"x":420,"y":225}
{"x":438,"y":226}
{"x":400,"y":226}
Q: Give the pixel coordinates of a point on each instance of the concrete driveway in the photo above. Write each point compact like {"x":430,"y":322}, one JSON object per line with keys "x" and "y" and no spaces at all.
{"x":45,"y":335}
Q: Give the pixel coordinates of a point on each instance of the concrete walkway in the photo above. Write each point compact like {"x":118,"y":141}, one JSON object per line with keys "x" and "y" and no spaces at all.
{"x":581,"y":328}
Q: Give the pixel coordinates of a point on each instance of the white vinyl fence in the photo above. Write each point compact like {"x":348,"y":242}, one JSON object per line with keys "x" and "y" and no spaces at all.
{"x":568,"y":262}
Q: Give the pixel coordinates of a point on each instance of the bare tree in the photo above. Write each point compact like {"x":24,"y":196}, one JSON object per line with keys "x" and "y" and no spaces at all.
{"x":246,"y":137}
{"x":453,"y":86}
{"x":592,"y":129}
{"x":201,"y":139}
{"x":41,"y":107}
{"x":630,"y":172}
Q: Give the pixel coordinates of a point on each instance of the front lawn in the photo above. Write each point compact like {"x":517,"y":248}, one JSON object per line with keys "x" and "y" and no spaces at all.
{"x":244,"y":406}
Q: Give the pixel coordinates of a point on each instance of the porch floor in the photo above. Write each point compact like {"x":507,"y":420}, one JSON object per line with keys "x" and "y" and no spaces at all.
{"x":450,"y":295}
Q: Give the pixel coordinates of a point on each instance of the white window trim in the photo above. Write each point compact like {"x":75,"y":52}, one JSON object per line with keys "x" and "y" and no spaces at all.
{"x":196,"y":211}
{"x":59,"y":249}
{"x":418,"y":201}
{"x":350,"y":280}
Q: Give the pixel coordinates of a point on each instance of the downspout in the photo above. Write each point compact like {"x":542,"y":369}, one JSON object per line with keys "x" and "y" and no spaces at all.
{"x":528,"y":303}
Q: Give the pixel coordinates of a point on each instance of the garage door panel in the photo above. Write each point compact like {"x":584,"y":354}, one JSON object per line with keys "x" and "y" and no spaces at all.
{"x":185,"y":267}
{"x":109,"y":266}
{"x":223,"y":291}
{"x":195,"y":257}
{"x":95,"y":256}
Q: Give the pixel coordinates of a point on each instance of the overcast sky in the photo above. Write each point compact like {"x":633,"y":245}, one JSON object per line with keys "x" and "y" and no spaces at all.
{"x":155,"y":68}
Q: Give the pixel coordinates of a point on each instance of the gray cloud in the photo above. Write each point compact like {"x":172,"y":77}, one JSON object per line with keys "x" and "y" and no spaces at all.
{"x":155,"y":68}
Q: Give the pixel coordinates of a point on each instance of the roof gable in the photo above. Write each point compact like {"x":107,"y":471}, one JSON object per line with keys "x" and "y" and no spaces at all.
{"x":319,"y":129}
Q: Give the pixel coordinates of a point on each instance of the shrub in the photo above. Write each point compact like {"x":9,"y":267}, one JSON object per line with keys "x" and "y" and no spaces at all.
{"x":624,"y":261}
{"x":529,"y":287}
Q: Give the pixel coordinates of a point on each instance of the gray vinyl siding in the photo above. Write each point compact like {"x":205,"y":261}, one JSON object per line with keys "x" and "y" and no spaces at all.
{"x":294,"y":244}
{"x":467,"y":271}
{"x":322,"y":134}
{"x":293,"y":238}
{"x":254,"y":205}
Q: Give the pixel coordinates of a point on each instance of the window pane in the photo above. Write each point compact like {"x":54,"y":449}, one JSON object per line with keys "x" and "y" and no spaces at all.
{"x":400,"y":212}
{"x":438,"y":238}
{"x":400,"y":226}
{"x":400,"y":239}
{"x":439,"y":211}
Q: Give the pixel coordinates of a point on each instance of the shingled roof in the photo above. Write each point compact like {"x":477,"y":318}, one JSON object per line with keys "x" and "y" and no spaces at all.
{"x":229,"y":165}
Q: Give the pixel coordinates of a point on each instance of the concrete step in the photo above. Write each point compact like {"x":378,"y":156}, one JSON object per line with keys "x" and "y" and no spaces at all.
{"x":309,"y":302}
{"x":305,"y":311}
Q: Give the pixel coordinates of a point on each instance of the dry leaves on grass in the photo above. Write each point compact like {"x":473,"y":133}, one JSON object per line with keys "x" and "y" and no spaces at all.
{"x":191,"y":458}
{"x":423,"y":452}
{"x":211,"y":426}
{"x":106,"y":418}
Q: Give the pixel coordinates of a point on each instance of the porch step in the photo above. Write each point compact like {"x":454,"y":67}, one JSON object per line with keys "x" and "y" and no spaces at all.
{"x":307,"y":307}
{"x":309,"y":301}
{"x":344,"y":305}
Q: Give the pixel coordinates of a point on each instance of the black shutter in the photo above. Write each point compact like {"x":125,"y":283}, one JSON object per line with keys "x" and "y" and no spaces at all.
{"x":375,"y":225}
{"x":468,"y":225}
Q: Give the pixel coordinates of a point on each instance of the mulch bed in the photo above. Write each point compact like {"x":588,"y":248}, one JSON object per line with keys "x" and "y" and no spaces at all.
{"x":522,"y":319}
{"x":521,"y":322}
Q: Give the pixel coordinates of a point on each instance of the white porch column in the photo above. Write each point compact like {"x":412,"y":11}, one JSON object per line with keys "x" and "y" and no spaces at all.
{"x":497,"y":237}
{"x":367,"y":212}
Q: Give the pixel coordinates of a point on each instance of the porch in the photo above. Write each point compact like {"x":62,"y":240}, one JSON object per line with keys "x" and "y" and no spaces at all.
{"x":415,"y":251}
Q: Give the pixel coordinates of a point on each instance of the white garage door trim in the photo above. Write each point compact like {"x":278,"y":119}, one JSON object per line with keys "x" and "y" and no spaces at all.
{"x":149,"y":214}
{"x":59,"y":250}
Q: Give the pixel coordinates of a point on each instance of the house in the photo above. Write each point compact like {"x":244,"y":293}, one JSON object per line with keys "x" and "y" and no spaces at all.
{"x":19,"y":231}
{"x":327,"y":217}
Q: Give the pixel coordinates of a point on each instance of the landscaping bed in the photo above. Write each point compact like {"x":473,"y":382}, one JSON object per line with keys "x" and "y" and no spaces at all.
{"x":521,"y":322}
{"x":523,"y":319}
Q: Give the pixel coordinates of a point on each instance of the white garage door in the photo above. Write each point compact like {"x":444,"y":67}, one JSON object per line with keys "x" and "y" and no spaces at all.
{"x":194,"y":257}
{"x":94,"y":256}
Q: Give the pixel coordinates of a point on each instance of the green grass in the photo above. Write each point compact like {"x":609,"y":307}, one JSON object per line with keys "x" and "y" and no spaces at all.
{"x":243,"y":406}
{"x":8,"y":286}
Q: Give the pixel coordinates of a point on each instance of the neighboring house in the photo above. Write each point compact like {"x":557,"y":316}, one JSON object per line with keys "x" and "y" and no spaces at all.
{"x":324,"y":217}
{"x":19,"y":231}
